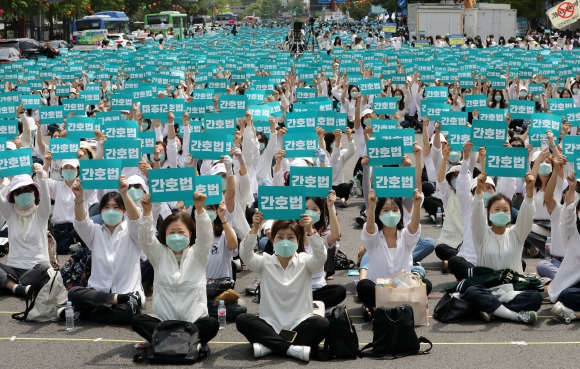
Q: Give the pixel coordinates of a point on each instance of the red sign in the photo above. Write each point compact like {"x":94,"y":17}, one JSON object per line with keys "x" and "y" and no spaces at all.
{"x":566,"y":10}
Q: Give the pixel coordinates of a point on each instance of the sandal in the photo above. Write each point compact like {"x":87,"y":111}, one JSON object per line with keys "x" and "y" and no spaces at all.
{"x":368,"y":313}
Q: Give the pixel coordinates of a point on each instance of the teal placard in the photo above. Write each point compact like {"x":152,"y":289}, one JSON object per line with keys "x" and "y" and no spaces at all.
{"x":100,"y":174}
{"x":31,"y":101}
{"x":122,"y":100}
{"x":51,"y":114}
{"x":370,"y":86}
{"x":281,"y":202}
{"x":573,"y":116}
{"x":148,"y":140}
{"x":314,"y":181}
{"x":385,"y":152}
{"x":492,"y":114}
{"x":385,"y":105}
{"x":394,"y":181}
{"x":233,"y":102}
{"x":172,"y":184}
{"x":331,"y":120}
{"x":382,"y":124}
{"x":2,"y":144}
{"x":299,"y":145}
{"x":108,"y":117}
{"x":304,"y":94}
{"x":8,"y":110}
{"x":203,"y":94}
{"x":436,"y":93}
{"x":275,"y":109}
{"x":399,"y":79}
{"x":74,"y":106}
{"x":536,"y":88}
{"x":224,"y":123}
{"x":521,"y":109}
{"x":218,"y":85}
{"x":570,"y":146}
{"x":64,"y":148}
{"x":259,"y":112}
{"x":122,"y":129}
{"x":475,"y":102}
{"x":211,"y":187}
{"x":155,"y":108}
{"x":91,"y":97}
{"x":488,"y":133}
{"x":63,"y":90}
{"x":124,"y":149}
{"x":8,"y":129}
{"x":407,"y":134}
{"x":209,"y":145}
{"x":254,"y":97}
{"x":507,"y":162}
{"x":540,"y":123}
{"x":433,"y":110}
{"x":301,"y":121}
{"x":453,"y":118}
{"x":457,"y":136}
{"x":559,"y":106}
{"x":14,"y":162}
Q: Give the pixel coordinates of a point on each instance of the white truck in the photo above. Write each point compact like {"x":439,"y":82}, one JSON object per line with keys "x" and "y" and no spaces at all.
{"x":490,"y":19}
{"x":434,"y":19}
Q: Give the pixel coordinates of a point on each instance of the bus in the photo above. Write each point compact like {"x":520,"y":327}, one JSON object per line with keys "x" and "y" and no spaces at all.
{"x":164,"y":22}
{"x":89,"y":30}
{"x":225,"y":19}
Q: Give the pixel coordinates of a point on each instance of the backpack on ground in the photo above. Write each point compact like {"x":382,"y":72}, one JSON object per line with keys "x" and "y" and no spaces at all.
{"x":173,"y":342}
{"x":77,"y":270}
{"x":44,"y":303}
{"x":394,"y":334}
{"x":341,"y":342}
{"x":342,"y":262}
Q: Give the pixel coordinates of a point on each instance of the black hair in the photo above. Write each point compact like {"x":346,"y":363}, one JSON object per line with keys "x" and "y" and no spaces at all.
{"x":322,"y":224}
{"x":111,"y":195}
{"x":380,"y":203}
{"x":180,"y":216}
{"x":494,"y":198}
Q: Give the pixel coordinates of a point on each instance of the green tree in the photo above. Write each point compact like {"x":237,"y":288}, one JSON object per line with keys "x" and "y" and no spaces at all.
{"x":296,"y":6}
{"x":357,"y":9}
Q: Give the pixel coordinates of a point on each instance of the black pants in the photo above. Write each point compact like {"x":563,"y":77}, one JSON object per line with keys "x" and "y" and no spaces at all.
{"x":308,"y":333}
{"x":331,"y":294}
{"x":342,"y":191}
{"x":445,"y":252}
{"x":481,"y":299}
{"x":16,"y":275}
{"x":99,"y":306}
{"x":65,"y":235}
{"x":458,"y":266}
{"x":430,"y":204}
{"x":365,"y":290}
{"x":144,"y":325}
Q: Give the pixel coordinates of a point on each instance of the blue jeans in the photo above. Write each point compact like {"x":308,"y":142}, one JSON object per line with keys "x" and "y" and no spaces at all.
{"x":424,"y":248}
{"x":547,"y":268}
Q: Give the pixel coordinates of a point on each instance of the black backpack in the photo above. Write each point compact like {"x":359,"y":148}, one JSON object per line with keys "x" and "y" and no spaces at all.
{"x":394,"y":334}
{"x":173,"y":342}
{"x":342,"y":262}
{"x":341,"y":342}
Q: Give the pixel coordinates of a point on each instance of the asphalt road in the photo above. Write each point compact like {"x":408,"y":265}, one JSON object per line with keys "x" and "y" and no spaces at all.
{"x":475,"y":343}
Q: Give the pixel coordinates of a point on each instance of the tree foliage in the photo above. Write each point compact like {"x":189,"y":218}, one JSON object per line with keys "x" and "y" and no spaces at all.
{"x":264,"y":8}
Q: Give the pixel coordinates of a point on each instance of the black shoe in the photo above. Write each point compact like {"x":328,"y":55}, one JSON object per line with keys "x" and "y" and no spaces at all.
{"x":204,"y":351}
{"x":361,"y":220}
{"x":135,"y":302}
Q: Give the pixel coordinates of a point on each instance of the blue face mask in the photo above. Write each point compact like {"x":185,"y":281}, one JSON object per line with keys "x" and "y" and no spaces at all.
{"x":224,"y":183}
{"x":69,"y":174}
{"x":500,"y":218}
{"x":161,"y":157}
{"x":486,"y":197}
{"x":112,"y":217}
{"x":453,"y":183}
{"x":177,"y":242}
{"x":285,"y":248}
{"x":262,"y":146}
{"x":497,"y":98}
{"x":398,"y":97}
{"x":212,"y":215}
{"x":454,"y":156}
{"x":390,"y":219}
{"x":314,"y":215}
{"x":136,"y":193}
{"x":545,"y":169}
{"x":24,"y":200}
{"x":354,"y":94}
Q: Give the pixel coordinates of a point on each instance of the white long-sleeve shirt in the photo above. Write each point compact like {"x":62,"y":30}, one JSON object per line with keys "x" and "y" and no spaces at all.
{"x":179,"y":289}
{"x":452,"y":231}
{"x":338,"y":159}
{"x":500,"y":251}
{"x":463,"y":193}
{"x":286,"y":295}
{"x":569,"y":272}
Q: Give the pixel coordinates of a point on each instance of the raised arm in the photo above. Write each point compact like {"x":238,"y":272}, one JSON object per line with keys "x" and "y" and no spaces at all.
{"x":549,"y":200}
{"x":332,"y":219}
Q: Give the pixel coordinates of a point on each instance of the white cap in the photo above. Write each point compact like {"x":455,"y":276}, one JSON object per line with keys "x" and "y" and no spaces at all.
{"x":218,"y":168}
{"x":19,"y":181}
{"x":299,"y":162}
{"x":133,"y":180}
{"x":73,"y":162}
{"x":535,"y":155}
{"x":365,"y":112}
{"x":267,"y":225}
{"x":487,"y":180}
{"x":441,"y":137}
{"x":454,"y":169}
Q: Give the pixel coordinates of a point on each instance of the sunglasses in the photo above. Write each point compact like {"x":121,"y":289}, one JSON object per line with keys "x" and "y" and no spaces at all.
{"x":135,"y":186}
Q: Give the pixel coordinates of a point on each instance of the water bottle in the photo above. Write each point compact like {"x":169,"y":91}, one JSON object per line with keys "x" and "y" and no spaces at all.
{"x":222,"y":314}
{"x":439,"y":218}
{"x":69,"y":313}
{"x":354,"y":190}
{"x":548,"y":255}
{"x":401,"y":284}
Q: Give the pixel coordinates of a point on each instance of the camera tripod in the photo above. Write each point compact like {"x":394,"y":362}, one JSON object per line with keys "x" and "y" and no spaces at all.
{"x":311,"y":40}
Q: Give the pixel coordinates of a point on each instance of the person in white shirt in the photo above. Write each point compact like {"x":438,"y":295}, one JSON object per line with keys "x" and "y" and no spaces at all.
{"x":286,"y":300}
{"x":180,"y":259}
{"x":26,"y":208}
{"x":114,"y":293}
{"x":499,"y":247}
{"x":565,"y":289}
{"x":388,"y":242}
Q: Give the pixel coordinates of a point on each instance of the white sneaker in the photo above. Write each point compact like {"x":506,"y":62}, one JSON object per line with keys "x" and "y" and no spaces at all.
{"x":299,"y":352}
{"x":260,"y":350}
{"x":562,"y":312}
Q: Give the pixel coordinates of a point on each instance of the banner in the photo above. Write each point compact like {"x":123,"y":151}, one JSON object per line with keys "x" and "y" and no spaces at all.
{"x":155,"y":108}
{"x":484,"y":133}
{"x":385,"y":105}
{"x":394,"y":182}
{"x":407,"y":134}
{"x":564,"y":13}
{"x":314,"y":181}
{"x":301,"y":121}
{"x":473,"y":102}
{"x":14,"y":162}
{"x":172,"y":184}
{"x":64,"y":148}
{"x":457,"y":136}
{"x":281,"y":202}
{"x":8,"y":129}
{"x":211,"y":187}
{"x":453,"y":118}
{"x":224,"y":123}
{"x":521,"y":109}
{"x":122,"y":129}
{"x":81,"y":127}
{"x":148,"y":140}
{"x":385,"y":152}
{"x":299,"y":145}
{"x":100,"y":174}
{"x":571,"y":146}
{"x":507,"y":162}
{"x":209,"y":145}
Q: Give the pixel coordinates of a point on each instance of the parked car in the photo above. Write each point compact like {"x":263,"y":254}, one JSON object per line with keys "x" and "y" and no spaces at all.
{"x":118,"y":39}
{"x":9,"y":55}
{"x":58,"y":44}
{"x":28,"y":47}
